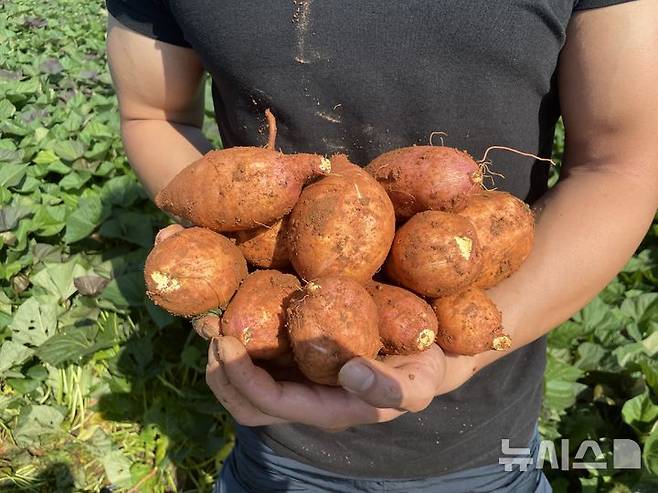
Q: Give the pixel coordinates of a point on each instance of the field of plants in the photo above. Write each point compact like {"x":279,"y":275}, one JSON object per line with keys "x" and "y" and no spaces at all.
{"x":102,"y":391}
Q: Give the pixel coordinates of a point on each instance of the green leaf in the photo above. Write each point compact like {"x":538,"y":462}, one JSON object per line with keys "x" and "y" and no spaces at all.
{"x":49,"y":220}
{"x":650,"y":372}
{"x":12,"y":174}
{"x":642,"y":308}
{"x":57,"y":279}
{"x":590,"y":355}
{"x":126,"y":290}
{"x":650,"y":453}
{"x":629,"y":353}
{"x":75,"y":180}
{"x":9,"y":216}
{"x":69,"y":150}
{"x":12,"y":354}
{"x":84,"y":220}
{"x":36,"y":421}
{"x":117,"y":468}
{"x":34,"y":322}
{"x":560,"y":384}
{"x":651,"y":344}
{"x":45,"y":157}
{"x":134,"y":227}
{"x":123,"y":191}
{"x":640,"y":409}
{"x":7,"y":109}
{"x":72,"y":345}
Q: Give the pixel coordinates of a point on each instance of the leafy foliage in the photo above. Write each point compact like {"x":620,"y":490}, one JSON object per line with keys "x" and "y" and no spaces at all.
{"x":100,"y":388}
{"x":601,"y":377}
{"x":93,"y":388}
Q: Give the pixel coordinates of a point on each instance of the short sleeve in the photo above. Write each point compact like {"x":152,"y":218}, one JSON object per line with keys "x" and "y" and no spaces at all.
{"x":152,"y":18}
{"x":595,"y":4}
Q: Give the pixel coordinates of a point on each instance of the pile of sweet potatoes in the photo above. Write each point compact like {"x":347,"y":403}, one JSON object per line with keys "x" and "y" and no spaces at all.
{"x":317,"y":260}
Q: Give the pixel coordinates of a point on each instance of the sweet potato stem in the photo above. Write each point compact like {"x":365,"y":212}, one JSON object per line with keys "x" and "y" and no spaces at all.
{"x":271,"y":127}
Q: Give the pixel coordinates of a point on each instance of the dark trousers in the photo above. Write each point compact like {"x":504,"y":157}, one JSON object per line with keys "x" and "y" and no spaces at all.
{"x":252,"y":467}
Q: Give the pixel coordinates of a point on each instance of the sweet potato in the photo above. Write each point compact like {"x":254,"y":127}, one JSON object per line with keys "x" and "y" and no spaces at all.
{"x":505,"y":228}
{"x":265,"y":247}
{"x":332,"y":321}
{"x":423,"y":178}
{"x":239,"y":188}
{"x":469,"y":323}
{"x":257,"y":313}
{"x":193,"y":271}
{"x":407,"y":323}
{"x":342,"y":225}
{"x":435,"y":254}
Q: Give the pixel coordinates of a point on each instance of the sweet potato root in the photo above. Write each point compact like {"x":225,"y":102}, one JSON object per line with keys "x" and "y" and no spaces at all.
{"x":332,"y":321}
{"x":435,"y":254}
{"x":469,"y":323}
{"x":239,"y":188}
{"x":265,"y":247}
{"x":407,"y":324}
{"x":505,"y":228}
{"x":257,"y":313}
{"x":193,"y":271}
{"x":423,"y":178}
{"x":342,"y":225}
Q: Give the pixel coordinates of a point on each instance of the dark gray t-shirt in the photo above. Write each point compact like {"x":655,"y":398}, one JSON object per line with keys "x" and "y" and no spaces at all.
{"x":363,"y":77}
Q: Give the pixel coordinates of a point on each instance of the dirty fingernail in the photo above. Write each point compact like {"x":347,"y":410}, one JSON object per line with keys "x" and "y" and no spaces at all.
{"x":356,"y":377}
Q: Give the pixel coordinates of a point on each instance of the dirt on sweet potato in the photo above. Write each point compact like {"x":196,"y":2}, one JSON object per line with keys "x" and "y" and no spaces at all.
{"x":265,"y":247}
{"x":257,"y":313}
{"x":423,"y":178}
{"x":333,"y":320}
{"x":407,"y":324}
{"x":193,"y":271}
{"x":435,"y":254}
{"x":469,"y":323}
{"x":505,"y":228}
{"x":342,"y":225}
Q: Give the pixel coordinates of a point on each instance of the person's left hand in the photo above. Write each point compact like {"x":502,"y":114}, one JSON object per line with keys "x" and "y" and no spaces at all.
{"x":372,"y":391}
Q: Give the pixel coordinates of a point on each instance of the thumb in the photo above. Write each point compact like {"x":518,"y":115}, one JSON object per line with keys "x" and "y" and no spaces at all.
{"x":409,"y":386}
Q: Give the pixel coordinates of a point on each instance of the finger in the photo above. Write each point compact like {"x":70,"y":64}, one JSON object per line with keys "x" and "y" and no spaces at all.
{"x":239,"y":407}
{"x":403,"y":382}
{"x":314,"y":405}
{"x":165,"y":233}
{"x":207,"y":326}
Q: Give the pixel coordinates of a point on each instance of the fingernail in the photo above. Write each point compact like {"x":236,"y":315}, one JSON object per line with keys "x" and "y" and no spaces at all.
{"x":356,"y":377}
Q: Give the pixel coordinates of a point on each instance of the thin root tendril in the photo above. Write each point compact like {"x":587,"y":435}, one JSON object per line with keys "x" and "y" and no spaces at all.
{"x":271,"y":128}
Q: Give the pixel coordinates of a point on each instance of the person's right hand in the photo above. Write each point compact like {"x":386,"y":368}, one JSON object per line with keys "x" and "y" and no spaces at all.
{"x":206,"y":326}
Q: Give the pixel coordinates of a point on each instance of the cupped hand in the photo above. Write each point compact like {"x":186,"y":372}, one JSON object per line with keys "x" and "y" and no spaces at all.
{"x":371,"y":391}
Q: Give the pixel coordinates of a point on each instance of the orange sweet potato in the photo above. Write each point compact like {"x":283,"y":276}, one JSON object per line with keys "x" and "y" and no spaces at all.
{"x":331,"y":322}
{"x":193,"y":271}
{"x":423,"y":178}
{"x":505,"y":228}
{"x":407,"y":323}
{"x":257,"y":313}
{"x":469,"y":323}
{"x":435,"y":254}
{"x":239,"y":188}
{"x":342,"y":225}
{"x":265,"y":247}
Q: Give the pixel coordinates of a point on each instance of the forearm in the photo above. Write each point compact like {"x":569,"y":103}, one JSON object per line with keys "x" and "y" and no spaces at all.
{"x":587,"y":228}
{"x":158,"y":149}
